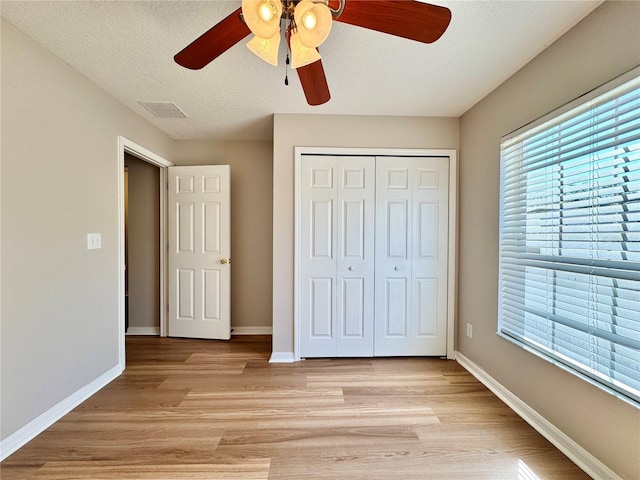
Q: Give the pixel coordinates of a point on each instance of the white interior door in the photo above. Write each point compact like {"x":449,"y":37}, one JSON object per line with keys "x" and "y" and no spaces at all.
{"x":411,"y":256}
{"x":199,"y":252}
{"x":336,"y":256}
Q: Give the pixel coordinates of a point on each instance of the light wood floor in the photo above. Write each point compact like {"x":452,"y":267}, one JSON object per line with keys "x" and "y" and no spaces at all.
{"x":190,"y":409}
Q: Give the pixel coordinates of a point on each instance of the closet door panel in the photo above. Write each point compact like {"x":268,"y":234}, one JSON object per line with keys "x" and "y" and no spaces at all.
{"x":353,"y":307}
{"x":356,"y":255}
{"x":430,"y":255}
{"x":336,"y":256}
{"x":321,"y":308}
{"x":396,"y":302}
{"x":427,"y":229}
{"x":397,"y":233}
{"x":321,"y":233}
{"x":426,"y":306}
{"x":411,"y":250}
{"x":393,"y":255}
{"x":317,"y":257}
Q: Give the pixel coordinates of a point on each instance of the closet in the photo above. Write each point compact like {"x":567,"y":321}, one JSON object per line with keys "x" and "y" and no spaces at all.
{"x":372,"y":276}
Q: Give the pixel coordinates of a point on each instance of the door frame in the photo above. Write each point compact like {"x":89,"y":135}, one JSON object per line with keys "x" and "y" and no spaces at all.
{"x":132,"y":148}
{"x":452,"y":230}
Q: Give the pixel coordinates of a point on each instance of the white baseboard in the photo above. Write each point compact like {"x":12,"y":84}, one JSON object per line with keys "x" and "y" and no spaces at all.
{"x":143,"y":331}
{"x":251,"y":330}
{"x":582,"y":458}
{"x":282,"y":357}
{"x":27,"y":433}
{"x":234,"y":331}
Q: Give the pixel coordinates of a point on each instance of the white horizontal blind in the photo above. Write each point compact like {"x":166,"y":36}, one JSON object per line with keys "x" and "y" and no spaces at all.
{"x":570,"y":239}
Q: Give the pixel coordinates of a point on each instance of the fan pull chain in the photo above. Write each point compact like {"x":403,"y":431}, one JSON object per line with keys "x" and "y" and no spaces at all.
{"x":286,"y":62}
{"x":286,"y":70}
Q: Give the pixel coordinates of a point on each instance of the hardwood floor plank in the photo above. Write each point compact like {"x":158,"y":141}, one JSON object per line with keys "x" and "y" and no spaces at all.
{"x":114,"y":399}
{"x":246,"y":469}
{"x":193,"y":409}
{"x":193,"y":368}
{"x":390,"y":465}
{"x":398,"y":380}
{"x":19,"y":472}
{"x":327,"y":442}
{"x":141,"y":443}
{"x":221,"y":398}
{"x":247,"y":380}
{"x":537,"y":465}
{"x":337,"y":438}
{"x":432,"y":395}
{"x":279,"y":417}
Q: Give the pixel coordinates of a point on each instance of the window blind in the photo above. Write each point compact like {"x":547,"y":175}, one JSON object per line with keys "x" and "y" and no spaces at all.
{"x":570,"y":238}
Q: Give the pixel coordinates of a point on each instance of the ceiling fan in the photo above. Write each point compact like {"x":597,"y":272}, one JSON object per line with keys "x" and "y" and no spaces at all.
{"x":306,"y":25}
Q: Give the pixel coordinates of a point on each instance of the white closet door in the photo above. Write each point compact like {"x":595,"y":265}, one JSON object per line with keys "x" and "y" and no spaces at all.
{"x":336,"y":256}
{"x":411,"y":256}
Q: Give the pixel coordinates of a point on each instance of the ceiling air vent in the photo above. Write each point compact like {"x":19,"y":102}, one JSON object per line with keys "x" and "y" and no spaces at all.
{"x":164,"y":109}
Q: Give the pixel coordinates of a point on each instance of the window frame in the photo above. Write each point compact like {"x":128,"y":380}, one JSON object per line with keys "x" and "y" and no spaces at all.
{"x":629,"y":394}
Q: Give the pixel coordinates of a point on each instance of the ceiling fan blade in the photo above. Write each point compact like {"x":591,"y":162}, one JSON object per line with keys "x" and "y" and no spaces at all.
{"x":214,"y":42}
{"x":314,"y":83}
{"x":410,"y":19}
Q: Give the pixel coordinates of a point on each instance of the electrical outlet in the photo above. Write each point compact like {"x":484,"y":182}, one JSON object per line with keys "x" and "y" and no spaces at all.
{"x":469,"y":330}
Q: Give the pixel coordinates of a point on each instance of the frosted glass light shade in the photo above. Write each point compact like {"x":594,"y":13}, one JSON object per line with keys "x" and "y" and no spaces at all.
{"x":266,"y":48}
{"x":301,"y":55}
{"x":262,"y":16}
{"x":313,"y":22}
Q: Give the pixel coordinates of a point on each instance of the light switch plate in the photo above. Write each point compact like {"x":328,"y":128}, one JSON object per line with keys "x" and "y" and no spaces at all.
{"x":94,"y":241}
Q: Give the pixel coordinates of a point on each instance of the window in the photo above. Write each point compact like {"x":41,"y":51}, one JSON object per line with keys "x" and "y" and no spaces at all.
{"x":570,"y":237}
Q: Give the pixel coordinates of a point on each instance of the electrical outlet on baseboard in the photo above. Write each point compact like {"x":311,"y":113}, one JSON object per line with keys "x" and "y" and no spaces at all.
{"x":469,"y":330}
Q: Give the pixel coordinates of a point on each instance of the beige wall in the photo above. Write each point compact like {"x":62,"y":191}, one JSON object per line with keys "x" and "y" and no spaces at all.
{"x":604,"y":45}
{"x":330,"y":131}
{"x":251,"y":213}
{"x":143,"y":245}
{"x":59,"y":312}
{"x":59,"y":181}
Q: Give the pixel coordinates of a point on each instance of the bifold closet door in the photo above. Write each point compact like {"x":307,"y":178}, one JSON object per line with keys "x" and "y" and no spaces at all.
{"x":411,"y":256}
{"x":336,"y":256}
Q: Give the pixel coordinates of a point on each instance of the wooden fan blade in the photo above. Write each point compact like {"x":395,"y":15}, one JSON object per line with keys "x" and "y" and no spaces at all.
{"x":314,"y":83}
{"x":214,"y":42}
{"x":410,"y":19}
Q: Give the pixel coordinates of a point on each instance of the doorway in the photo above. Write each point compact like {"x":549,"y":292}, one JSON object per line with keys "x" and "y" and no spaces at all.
{"x":139,"y":154}
{"x":142,"y":246}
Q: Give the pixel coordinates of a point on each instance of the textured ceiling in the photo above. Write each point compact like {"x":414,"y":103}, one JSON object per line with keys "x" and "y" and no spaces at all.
{"x":127,"y":48}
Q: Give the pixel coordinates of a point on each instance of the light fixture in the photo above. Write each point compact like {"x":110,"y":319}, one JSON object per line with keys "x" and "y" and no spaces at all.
{"x":262,"y":16}
{"x":266,"y":48}
{"x":313,"y":21}
{"x":309,"y":26}
{"x":301,"y":55}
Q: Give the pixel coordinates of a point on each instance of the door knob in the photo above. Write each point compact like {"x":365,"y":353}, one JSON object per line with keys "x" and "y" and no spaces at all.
{"x":224,"y":261}
{"x":396,"y":268}
{"x":351,"y":269}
